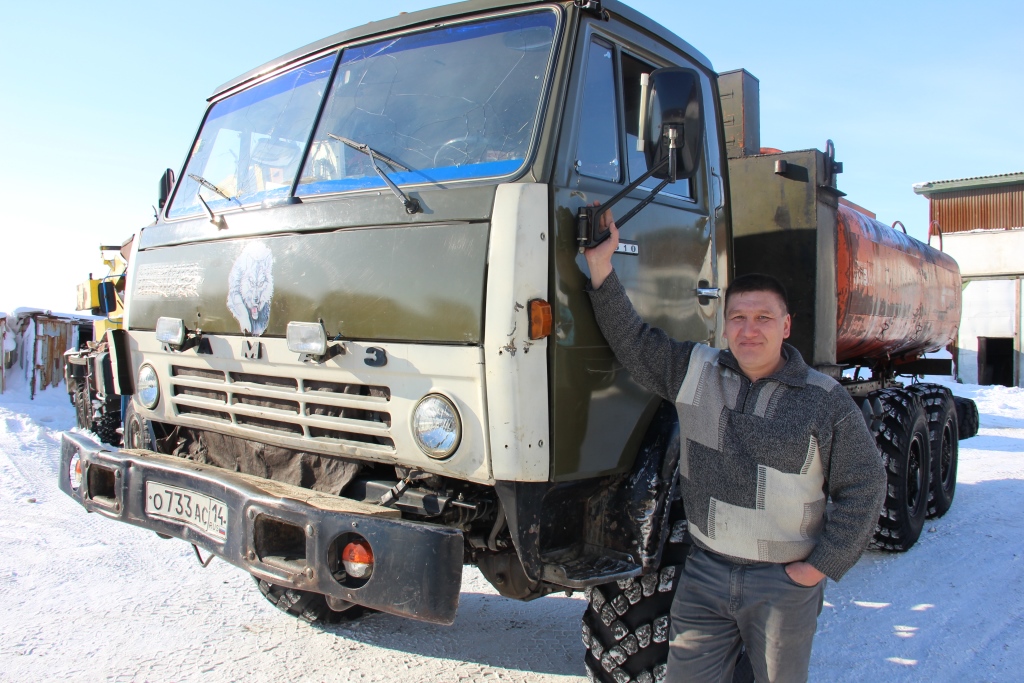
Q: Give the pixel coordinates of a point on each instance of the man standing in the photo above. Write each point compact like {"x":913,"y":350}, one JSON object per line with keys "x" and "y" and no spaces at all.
{"x":766,"y":442}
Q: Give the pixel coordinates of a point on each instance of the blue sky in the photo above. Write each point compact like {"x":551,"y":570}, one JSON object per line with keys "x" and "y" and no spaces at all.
{"x":99,"y":98}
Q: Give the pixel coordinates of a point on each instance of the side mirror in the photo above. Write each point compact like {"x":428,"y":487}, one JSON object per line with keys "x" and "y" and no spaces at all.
{"x":166,"y":186}
{"x":671,"y":138}
{"x":671,"y":122}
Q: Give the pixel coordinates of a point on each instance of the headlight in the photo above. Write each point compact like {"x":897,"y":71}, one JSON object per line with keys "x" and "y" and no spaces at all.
{"x":436,"y":426}
{"x":148,"y":387}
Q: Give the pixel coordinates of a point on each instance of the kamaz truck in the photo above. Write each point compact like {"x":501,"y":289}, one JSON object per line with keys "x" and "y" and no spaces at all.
{"x":359,"y":351}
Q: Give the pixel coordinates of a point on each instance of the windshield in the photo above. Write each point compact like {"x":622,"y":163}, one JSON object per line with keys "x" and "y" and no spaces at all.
{"x":447,"y":104}
{"x":251,"y":144}
{"x":450,"y":103}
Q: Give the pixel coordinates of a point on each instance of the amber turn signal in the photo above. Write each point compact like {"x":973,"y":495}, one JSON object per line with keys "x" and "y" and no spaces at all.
{"x":540,"y":318}
{"x":358,"y":559}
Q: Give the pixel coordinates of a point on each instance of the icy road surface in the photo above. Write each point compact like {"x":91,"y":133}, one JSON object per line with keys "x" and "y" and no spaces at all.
{"x":87,"y":599}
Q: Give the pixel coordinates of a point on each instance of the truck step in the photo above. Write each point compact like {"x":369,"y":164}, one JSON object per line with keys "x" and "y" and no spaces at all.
{"x":590,"y":570}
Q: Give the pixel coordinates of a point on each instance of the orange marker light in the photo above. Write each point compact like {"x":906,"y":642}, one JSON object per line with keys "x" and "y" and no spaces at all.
{"x":358,"y":559}
{"x":540,"y":318}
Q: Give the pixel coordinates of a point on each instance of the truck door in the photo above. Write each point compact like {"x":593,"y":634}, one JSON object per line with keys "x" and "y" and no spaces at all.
{"x":600,"y":413}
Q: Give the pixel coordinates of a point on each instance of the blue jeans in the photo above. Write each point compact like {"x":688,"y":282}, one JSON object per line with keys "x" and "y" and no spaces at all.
{"x":720,"y":606}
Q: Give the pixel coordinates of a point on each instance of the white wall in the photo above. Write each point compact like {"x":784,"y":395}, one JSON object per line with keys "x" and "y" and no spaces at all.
{"x":991,"y":305}
{"x":986,"y":253}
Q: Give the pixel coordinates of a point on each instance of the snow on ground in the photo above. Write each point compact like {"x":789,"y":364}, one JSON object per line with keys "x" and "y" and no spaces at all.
{"x":87,"y":599}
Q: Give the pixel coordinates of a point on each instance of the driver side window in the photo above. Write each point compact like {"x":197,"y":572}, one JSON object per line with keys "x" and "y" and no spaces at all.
{"x":611,"y":76}
{"x":597,"y":148}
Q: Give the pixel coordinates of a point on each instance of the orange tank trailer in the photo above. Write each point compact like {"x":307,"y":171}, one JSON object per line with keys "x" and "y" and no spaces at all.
{"x":896,"y":297}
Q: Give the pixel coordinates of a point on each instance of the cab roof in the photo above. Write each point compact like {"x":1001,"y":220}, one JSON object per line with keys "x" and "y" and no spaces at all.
{"x":449,"y":12}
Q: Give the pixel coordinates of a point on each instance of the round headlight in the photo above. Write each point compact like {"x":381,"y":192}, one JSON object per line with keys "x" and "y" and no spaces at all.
{"x":148,"y":387}
{"x":436,"y":426}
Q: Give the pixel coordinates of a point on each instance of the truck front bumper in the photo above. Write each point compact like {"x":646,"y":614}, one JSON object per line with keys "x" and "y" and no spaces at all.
{"x":284,"y":534}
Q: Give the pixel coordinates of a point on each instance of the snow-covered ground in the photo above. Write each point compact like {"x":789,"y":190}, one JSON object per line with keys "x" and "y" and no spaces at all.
{"x":86,"y":599}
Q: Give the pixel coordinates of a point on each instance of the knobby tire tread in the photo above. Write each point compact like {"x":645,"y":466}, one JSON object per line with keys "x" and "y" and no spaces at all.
{"x":943,"y":430}
{"x":903,"y":421}
{"x":306,"y":605}
{"x":625,"y":626}
{"x":967,"y":417}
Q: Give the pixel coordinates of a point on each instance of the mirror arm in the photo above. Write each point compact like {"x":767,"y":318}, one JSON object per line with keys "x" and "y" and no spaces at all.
{"x":588,"y":218}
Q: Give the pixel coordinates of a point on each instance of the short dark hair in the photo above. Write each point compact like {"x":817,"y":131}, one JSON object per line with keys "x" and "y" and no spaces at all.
{"x":757,"y":282}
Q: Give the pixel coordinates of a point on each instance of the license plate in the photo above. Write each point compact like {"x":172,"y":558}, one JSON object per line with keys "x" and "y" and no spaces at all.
{"x":204,"y":514}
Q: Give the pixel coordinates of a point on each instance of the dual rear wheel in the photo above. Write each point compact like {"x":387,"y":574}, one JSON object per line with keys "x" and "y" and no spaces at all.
{"x":916,"y":430}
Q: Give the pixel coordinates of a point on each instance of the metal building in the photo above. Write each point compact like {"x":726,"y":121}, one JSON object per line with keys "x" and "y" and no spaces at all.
{"x":980,"y":223}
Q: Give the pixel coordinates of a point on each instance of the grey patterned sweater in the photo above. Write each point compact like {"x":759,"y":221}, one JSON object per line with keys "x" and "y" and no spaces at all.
{"x":759,"y":460}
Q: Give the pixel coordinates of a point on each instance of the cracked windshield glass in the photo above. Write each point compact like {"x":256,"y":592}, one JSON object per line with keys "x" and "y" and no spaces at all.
{"x":251,"y":144}
{"x":443,"y":105}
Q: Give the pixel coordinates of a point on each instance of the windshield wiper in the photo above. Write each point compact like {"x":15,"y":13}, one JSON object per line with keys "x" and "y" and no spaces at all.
{"x":411,"y":204}
{"x":212,"y":188}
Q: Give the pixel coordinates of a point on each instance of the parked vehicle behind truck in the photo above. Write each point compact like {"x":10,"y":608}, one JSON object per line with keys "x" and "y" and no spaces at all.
{"x":88,"y":370}
{"x":359,"y":350}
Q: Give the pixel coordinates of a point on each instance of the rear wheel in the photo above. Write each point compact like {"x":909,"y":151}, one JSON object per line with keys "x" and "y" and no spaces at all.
{"x":966,"y":417}
{"x":306,"y":605}
{"x":905,"y":446}
{"x":944,"y":435}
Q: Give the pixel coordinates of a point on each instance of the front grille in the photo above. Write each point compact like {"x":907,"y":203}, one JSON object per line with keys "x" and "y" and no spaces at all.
{"x":356,"y":415}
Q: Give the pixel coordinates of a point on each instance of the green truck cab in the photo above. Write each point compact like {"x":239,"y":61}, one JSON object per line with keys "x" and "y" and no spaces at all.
{"x":357,"y":342}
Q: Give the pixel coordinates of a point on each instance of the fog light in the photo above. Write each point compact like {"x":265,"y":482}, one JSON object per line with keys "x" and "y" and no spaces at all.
{"x":75,"y":472}
{"x":436,"y":426}
{"x":170,"y":331}
{"x":358,"y":559}
{"x":308,"y":338}
{"x":148,"y":387}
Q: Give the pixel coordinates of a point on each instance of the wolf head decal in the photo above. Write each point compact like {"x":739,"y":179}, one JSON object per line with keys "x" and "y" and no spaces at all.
{"x":250,"y":288}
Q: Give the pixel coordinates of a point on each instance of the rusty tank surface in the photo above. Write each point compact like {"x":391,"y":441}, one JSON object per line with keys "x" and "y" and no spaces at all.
{"x":896,"y":297}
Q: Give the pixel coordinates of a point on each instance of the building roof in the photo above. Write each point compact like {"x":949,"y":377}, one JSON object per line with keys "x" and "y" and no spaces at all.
{"x":935,"y":186}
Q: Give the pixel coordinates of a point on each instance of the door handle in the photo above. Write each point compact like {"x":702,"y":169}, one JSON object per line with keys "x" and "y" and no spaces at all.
{"x":705,"y":292}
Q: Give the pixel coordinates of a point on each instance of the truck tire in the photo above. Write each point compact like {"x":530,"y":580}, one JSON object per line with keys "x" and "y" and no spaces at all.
{"x":625,"y":628}
{"x":945,"y":450}
{"x":966,"y":417}
{"x":308,"y":606}
{"x":138,"y":431}
{"x":83,"y":406}
{"x":905,"y":448}
{"x":108,"y":422}
{"x":626,"y":623}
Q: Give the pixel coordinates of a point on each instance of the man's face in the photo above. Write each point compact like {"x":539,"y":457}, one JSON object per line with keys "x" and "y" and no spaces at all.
{"x":755,"y":325}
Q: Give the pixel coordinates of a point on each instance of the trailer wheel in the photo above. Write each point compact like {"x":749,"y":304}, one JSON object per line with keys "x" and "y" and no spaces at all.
{"x":905,"y":447}
{"x":626,"y":623}
{"x":306,"y":605}
{"x":945,"y":450}
{"x":138,"y":431}
{"x":966,"y":417}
